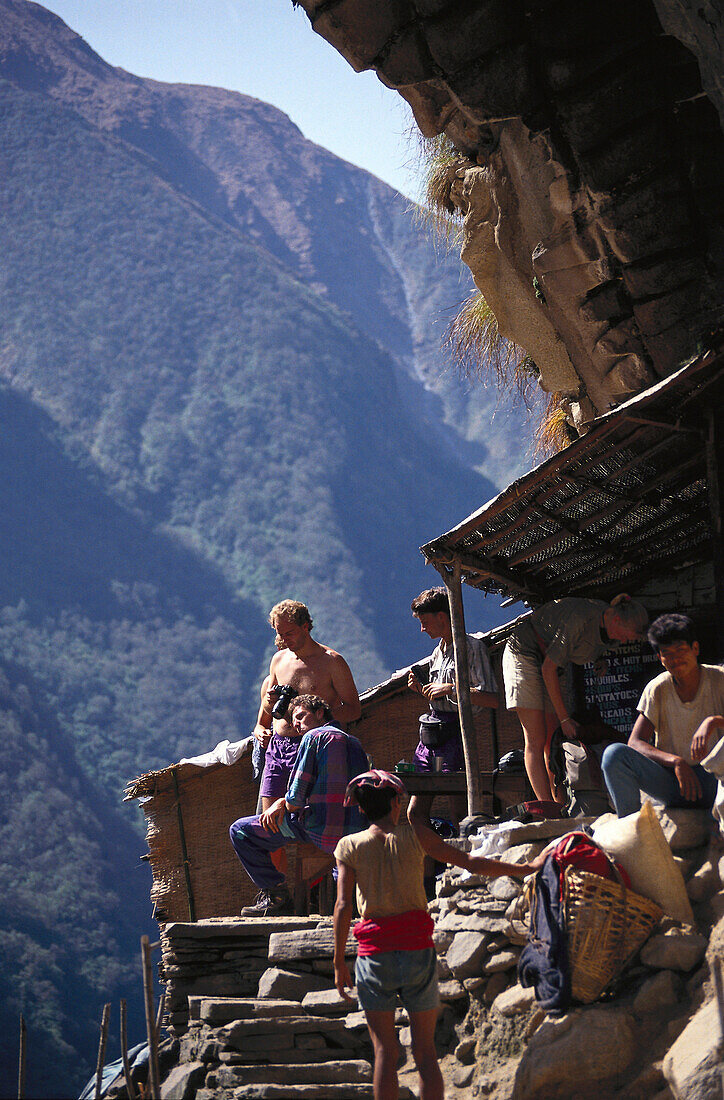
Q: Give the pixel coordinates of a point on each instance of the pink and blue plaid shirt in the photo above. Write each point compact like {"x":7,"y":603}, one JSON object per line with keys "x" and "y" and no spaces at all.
{"x":326,"y":762}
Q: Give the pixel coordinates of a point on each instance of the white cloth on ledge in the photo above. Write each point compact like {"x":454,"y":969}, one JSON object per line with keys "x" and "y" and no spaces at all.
{"x":714,"y":763}
{"x":226,"y":752}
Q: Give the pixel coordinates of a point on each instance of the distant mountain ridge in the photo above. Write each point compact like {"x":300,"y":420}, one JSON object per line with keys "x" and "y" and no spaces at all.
{"x":219,"y":385}
{"x":343,"y":232}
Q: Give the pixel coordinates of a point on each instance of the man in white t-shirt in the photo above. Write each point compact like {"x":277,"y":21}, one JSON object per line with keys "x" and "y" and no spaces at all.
{"x":678,"y":713}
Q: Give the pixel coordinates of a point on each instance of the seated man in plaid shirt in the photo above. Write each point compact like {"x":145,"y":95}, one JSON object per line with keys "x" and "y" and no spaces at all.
{"x":312,"y":811}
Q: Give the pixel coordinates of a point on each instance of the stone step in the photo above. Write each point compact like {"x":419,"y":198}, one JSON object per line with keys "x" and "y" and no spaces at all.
{"x":236,"y":927}
{"x":270,"y":1035}
{"x":238,"y":1030}
{"x":316,"y":943}
{"x":307,"y":1092}
{"x":328,"y":1002}
{"x":224,"y":1010}
{"x":352,"y":1071}
{"x":291,"y":1056}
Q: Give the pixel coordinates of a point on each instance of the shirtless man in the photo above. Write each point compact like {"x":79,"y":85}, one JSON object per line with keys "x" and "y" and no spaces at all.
{"x":311,"y":669}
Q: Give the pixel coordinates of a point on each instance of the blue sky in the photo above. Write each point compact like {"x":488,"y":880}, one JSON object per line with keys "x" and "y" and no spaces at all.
{"x":264,"y":48}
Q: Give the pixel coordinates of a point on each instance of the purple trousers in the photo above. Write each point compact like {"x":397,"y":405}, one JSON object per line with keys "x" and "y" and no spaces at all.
{"x":281,"y":755}
{"x":254,"y":844}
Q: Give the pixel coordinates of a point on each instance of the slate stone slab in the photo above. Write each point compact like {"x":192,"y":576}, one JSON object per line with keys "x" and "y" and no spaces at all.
{"x":241,"y":1030}
{"x":451,"y":991}
{"x":236,"y":927}
{"x":465,"y":954}
{"x":225,"y":1009}
{"x":312,"y":943}
{"x":183,"y":1080}
{"x":287,"y":985}
{"x":513,"y":1001}
{"x":503,"y":960}
{"x":353,"y":1071}
{"x":279,"y":1055}
{"x":328,"y":1002}
{"x":312,"y":1092}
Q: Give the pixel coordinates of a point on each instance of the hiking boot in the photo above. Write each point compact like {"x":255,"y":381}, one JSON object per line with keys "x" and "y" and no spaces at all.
{"x":269,"y":903}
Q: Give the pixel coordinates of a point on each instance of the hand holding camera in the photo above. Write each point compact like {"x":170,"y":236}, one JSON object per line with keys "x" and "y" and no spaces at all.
{"x":284,"y":694}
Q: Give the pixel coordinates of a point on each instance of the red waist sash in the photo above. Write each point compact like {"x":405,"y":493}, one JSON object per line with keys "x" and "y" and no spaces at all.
{"x":411,"y":931}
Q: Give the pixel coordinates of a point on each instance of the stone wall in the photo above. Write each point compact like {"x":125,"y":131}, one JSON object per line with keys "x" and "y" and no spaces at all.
{"x":254,"y":1014}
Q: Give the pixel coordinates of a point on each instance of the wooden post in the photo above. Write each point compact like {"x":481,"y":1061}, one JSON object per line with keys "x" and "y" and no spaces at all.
{"x":453,"y":584}
{"x":102,"y":1050}
{"x":22,"y":1058}
{"x":130,"y":1088}
{"x":184,"y":852}
{"x":715,"y":480}
{"x":159,"y":1015}
{"x":151,"y":1034}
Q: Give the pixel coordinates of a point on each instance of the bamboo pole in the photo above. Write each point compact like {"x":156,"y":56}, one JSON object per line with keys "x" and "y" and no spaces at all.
{"x":130,"y":1089}
{"x":159,"y":1015}
{"x":102,"y":1050}
{"x":151,"y":1035}
{"x":22,"y":1056}
{"x":184,"y":852}
{"x":453,"y":583}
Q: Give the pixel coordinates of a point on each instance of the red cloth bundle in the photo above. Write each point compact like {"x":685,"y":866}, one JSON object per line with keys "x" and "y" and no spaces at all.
{"x":411,"y":931}
{"x":580,"y":851}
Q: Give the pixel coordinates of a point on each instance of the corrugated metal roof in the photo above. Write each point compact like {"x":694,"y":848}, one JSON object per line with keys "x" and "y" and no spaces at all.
{"x":625,"y":501}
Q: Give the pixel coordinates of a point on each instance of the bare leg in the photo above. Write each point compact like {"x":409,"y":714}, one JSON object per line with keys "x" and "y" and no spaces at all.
{"x":537,"y":739}
{"x":278,"y":858}
{"x":384,"y":1040}
{"x":422,"y":1028}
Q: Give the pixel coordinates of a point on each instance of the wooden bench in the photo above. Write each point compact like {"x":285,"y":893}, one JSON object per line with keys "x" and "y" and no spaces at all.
{"x":310,"y":865}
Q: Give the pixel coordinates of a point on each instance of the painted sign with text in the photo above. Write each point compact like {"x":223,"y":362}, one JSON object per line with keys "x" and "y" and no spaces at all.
{"x":614,"y":683}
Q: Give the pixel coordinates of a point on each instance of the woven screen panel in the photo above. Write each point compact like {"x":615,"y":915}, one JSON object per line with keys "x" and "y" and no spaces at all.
{"x":211,"y":799}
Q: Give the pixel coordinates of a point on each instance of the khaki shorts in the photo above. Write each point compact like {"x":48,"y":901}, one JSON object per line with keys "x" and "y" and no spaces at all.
{"x":523,"y":681}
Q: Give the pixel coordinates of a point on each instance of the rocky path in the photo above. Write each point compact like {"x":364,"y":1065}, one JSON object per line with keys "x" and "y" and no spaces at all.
{"x":253,"y":1012}
{"x":297,"y":1038}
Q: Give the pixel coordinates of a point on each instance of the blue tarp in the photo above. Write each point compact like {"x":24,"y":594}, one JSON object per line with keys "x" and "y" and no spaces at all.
{"x":138,"y":1056}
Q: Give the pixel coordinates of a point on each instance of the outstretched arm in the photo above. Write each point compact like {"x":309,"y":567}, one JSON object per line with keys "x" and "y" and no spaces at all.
{"x":438,"y":849}
{"x":346,"y":880}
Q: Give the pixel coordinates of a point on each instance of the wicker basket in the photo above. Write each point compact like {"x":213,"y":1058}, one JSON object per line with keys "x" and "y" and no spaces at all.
{"x":606,"y":925}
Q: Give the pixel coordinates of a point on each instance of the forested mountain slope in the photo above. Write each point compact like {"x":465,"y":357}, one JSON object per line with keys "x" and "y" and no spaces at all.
{"x":219,"y":385}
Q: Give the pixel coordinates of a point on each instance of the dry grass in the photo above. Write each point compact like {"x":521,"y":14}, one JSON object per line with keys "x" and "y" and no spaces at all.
{"x":473,"y":337}
{"x":480,"y":350}
{"x":553,"y":432}
{"x":436,"y":213}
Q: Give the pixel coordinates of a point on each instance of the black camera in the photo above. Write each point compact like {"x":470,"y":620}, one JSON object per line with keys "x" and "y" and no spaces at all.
{"x":284,"y":693}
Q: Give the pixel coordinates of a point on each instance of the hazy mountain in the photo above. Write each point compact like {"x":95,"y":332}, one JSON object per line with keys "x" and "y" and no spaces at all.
{"x":220,"y":384}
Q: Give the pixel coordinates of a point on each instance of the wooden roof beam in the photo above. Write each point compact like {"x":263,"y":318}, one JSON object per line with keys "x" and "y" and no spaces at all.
{"x":481,"y":566}
{"x":668,"y":425}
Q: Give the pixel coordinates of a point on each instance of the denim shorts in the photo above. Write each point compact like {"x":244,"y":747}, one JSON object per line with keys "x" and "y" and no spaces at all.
{"x":409,"y":975}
